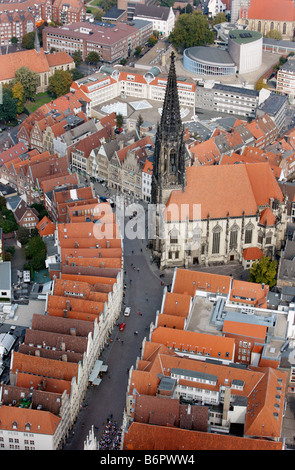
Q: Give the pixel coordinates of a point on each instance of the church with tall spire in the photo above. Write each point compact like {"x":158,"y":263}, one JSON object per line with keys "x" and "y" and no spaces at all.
{"x":169,"y":154}
{"x":209,"y":214}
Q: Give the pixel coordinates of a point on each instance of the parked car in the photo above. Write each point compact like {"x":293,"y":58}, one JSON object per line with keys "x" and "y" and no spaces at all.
{"x":122,"y":327}
{"x":127,"y":312}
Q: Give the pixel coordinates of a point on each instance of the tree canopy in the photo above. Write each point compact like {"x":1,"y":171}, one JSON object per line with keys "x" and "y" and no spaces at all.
{"x":35,"y":251}
{"x":18,"y":94}
{"x":119,"y":120}
{"x":274,"y":34}
{"x":264,"y":271}
{"x":29,"y":81}
{"x":191,"y":30}
{"x":92,"y":58}
{"x":60,"y":83}
{"x":8,"y":108}
{"x":28,"y":40}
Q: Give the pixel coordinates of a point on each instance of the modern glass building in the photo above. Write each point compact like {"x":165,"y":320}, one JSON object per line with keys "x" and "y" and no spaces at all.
{"x":205,"y":60}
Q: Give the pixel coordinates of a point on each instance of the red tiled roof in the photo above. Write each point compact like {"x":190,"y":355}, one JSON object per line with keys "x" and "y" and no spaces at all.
{"x":10,"y":63}
{"x":59,"y":58}
{"x":252,"y":253}
{"x":245,"y":329}
{"x":46,"y":227}
{"x":274,"y":10}
{"x":267,"y":217}
{"x":16,"y":419}
{"x":141,"y":436}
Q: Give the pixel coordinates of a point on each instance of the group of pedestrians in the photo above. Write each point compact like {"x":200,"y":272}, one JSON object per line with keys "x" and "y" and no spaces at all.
{"x":111,"y":436}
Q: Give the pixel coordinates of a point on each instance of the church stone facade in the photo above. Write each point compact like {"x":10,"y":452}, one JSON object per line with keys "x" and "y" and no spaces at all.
{"x":211,"y":213}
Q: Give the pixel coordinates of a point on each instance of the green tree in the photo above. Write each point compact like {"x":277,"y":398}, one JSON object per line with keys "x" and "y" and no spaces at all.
{"x":40,"y":209}
{"x":264,"y":271}
{"x":18,"y":94}
{"x":166,"y":3}
{"x":23,"y":235}
{"x":119,"y":120}
{"x":106,"y":5}
{"x":28,"y":40}
{"x":139,"y":122}
{"x":92,"y":58}
{"x":29,"y":81}
{"x":14,"y":40}
{"x":60,"y":83}
{"x":187,"y":9}
{"x":274,"y":34}
{"x":260,"y":84}
{"x":77,"y":57}
{"x":152,"y":41}
{"x":10,"y":249}
{"x":76,"y":74}
{"x":191,"y":30}
{"x":220,"y":18}
{"x":35,"y":252}
{"x":8,"y":108}
{"x":137,"y":50}
{"x":98,"y":14}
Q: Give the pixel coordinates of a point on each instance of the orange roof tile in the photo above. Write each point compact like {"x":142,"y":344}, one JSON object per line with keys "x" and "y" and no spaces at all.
{"x":232,"y":192}
{"x":267,"y":217}
{"x":148,"y":167}
{"x":46,"y":227}
{"x":191,"y":342}
{"x":252,"y":253}
{"x":271,"y":10}
{"x":59,"y":58}
{"x":41,"y":422}
{"x":44,"y":367}
{"x":10,"y":63}
{"x":188,"y":282}
{"x":142,"y":436}
{"x":177,"y":304}
{"x":245,"y":329}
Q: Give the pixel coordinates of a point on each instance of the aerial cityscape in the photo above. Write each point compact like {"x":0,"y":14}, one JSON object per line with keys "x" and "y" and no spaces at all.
{"x":147,"y":227}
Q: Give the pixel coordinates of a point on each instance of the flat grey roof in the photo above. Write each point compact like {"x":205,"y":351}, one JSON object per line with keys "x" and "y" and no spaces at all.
{"x":194,"y":374}
{"x":210,"y":55}
{"x":5,"y":275}
{"x":279,"y":43}
{"x":234,"y":89}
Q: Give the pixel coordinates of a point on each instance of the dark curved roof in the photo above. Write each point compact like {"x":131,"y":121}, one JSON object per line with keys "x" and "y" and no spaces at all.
{"x":210,"y":55}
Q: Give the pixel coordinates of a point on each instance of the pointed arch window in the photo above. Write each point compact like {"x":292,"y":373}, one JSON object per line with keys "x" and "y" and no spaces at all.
{"x":268,"y":238}
{"x":249,"y":233}
{"x":174,"y":236}
{"x":233,"y":239}
{"x":172,"y":168}
{"x":216,"y":239}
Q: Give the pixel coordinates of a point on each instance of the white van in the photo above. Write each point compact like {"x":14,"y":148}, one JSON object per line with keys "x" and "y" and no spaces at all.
{"x":127,"y":312}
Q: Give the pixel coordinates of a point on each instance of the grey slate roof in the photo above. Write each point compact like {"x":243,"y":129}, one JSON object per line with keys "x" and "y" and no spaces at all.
{"x":236,"y":90}
{"x":273,"y":104}
{"x":152,"y":11}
